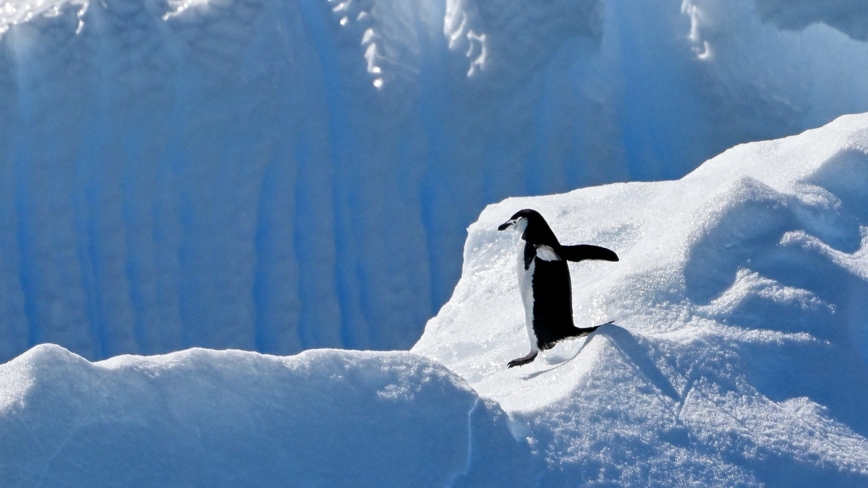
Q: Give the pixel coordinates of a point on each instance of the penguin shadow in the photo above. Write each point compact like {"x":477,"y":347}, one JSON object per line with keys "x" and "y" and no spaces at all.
{"x":633,"y":351}
{"x":587,"y":339}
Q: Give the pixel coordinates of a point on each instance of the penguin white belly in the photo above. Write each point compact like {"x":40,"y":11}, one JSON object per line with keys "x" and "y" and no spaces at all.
{"x":525,"y":286}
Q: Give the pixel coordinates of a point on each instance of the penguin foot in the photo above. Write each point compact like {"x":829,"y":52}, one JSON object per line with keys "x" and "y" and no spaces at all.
{"x":522,"y":361}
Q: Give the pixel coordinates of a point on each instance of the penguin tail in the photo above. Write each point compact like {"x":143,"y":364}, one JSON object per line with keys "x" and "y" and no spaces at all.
{"x":581,"y":332}
{"x":582,"y":252}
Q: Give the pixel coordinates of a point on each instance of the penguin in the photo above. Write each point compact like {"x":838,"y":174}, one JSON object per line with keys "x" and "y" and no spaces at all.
{"x":544,"y":282}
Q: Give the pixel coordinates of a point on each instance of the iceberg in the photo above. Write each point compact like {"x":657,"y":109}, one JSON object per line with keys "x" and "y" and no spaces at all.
{"x":280,"y":175}
{"x":738,"y":356}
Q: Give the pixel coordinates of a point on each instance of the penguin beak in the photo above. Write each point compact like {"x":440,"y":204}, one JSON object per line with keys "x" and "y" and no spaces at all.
{"x":506,"y":225}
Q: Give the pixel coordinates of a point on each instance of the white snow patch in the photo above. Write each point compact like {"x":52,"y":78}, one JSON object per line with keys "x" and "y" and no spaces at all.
{"x":231,"y":418}
{"x":738,"y":354}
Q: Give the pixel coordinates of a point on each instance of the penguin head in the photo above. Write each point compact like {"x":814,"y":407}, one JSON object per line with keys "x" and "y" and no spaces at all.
{"x":532,"y":226}
{"x":518,"y":222}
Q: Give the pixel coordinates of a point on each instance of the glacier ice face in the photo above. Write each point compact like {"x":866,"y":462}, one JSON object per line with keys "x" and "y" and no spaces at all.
{"x":848,"y":16}
{"x":739,"y":352}
{"x":273,"y":175}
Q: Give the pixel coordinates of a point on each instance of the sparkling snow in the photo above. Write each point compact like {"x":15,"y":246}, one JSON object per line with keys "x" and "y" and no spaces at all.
{"x":739,"y":353}
{"x":232,"y":418}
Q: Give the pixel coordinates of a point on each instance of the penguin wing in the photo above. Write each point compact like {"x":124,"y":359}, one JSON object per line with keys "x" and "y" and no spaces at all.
{"x":586,"y":251}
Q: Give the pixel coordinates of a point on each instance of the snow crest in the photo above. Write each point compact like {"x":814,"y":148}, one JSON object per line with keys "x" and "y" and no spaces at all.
{"x":232,"y":418}
{"x":739,"y":352}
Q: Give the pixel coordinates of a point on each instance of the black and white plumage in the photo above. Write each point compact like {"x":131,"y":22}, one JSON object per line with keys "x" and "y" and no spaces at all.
{"x":544,"y":281}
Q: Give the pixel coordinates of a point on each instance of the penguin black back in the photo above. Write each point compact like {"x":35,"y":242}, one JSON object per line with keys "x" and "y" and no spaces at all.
{"x":544,"y":281}
{"x":552,"y":303}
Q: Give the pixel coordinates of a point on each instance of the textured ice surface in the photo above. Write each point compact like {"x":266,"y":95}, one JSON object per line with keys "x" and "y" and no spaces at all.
{"x":739,"y":353}
{"x":848,"y":16}
{"x":738,"y":357}
{"x":231,"y":418}
{"x":278,"y":175}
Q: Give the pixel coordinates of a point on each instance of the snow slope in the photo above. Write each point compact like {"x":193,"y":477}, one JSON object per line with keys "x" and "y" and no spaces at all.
{"x":739,"y":353}
{"x":738,"y":357}
{"x":275,"y":175}
{"x":232,"y":418}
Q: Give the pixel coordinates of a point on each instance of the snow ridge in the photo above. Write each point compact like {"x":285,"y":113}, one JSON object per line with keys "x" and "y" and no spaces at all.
{"x":232,"y":418}
{"x":738,"y":354}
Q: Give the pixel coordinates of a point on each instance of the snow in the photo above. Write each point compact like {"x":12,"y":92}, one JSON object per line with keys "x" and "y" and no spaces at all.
{"x":278,"y":175}
{"x":739,"y":352}
{"x":232,"y":418}
{"x":738,"y":356}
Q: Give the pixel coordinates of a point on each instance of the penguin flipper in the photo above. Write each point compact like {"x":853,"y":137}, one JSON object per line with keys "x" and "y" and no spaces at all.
{"x":581,"y":252}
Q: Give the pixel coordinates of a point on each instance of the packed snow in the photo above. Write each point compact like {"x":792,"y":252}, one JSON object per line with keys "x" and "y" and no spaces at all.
{"x":739,"y":351}
{"x":276,"y":175}
{"x":232,"y":418}
{"x":738,"y":357}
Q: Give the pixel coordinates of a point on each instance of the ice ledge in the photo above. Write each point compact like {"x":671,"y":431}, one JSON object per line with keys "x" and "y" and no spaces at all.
{"x":233,"y":418}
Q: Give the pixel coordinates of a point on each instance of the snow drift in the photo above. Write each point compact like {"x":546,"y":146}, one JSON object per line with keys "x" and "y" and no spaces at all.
{"x":739,"y":353}
{"x":278,"y":175}
{"x":231,"y":418}
{"x":738,"y":357}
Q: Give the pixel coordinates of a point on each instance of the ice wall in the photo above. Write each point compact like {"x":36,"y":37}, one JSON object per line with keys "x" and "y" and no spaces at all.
{"x":279,"y":175}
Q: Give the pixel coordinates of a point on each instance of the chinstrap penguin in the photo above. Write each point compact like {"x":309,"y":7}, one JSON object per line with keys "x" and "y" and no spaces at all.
{"x":544,"y":282}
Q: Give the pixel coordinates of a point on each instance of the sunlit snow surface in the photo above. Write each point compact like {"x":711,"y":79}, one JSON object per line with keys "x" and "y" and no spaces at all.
{"x":739,"y":350}
{"x":239,"y":419}
{"x":737,"y":358}
{"x":276,"y":175}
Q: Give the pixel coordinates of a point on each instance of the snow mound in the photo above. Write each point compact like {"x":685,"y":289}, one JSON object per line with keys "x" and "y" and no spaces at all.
{"x":231,"y":418}
{"x":739,"y":353}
